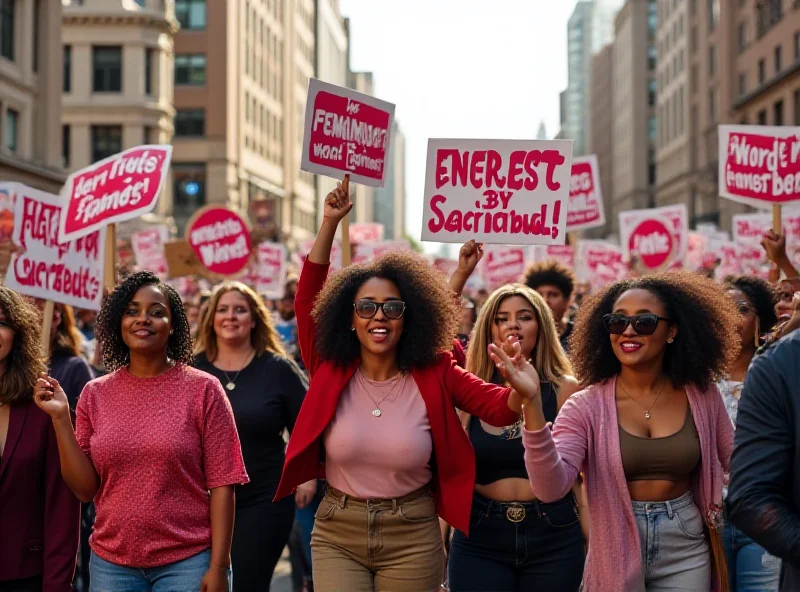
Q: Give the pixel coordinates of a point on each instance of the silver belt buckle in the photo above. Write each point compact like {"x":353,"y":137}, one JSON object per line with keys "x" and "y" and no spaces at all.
{"x":515,"y":513}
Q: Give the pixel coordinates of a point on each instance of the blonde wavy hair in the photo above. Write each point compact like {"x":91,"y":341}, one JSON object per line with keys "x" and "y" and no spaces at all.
{"x":548,"y":356}
{"x":263,"y":337}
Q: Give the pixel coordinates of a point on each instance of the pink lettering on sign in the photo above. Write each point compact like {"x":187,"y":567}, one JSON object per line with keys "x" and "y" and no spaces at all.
{"x":586,"y":208}
{"x":652,"y":243}
{"x":346,"y":132}
{"x":502,"y":265}
{"x":760,"y":165}
{"x":271,"y":269}
{"x":220,"y":239}
{"x":119,"y":188}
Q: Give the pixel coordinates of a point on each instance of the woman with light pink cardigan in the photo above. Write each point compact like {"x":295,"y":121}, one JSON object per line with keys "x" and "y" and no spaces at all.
{"x":650,"y":434}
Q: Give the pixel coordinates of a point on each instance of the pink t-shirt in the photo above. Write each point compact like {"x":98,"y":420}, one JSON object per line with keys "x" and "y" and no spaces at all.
{"x":159,"y":445}
{"x":379,"y":457}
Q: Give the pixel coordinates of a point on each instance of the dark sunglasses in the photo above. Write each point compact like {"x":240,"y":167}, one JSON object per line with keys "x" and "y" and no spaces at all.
{"x":643,"y":324}
{"x":393,"y":309}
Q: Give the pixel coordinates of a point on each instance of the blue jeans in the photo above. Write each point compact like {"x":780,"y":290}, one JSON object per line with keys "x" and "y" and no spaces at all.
{"x":750,"y":567}
{"x":181,"y":576}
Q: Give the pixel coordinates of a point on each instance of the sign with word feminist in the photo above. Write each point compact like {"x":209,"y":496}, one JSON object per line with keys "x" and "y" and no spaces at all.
{"x":655,"y":237}
{"x":759,"y":165}
{"x":346,"y":132}
{"x":47,"y":268}
{"x":512,"y":192}
{"x":220,"y":239}
{"x":586,"y":208}
{"x":118,"y":188}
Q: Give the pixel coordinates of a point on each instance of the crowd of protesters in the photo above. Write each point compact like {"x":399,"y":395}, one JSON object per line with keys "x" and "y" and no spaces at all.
{"x":535,"y":437}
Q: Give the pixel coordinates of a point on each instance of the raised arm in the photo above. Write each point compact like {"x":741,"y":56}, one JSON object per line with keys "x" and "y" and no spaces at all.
{"x":468,"y":258}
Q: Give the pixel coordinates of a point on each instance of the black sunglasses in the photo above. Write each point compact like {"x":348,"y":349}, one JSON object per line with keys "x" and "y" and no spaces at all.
{"x":643,"y":324}
{"x":393,"y":309}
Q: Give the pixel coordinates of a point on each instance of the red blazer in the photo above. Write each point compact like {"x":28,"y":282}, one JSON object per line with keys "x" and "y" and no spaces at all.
{"x":39,"y":516}
{"x":443,"y":386}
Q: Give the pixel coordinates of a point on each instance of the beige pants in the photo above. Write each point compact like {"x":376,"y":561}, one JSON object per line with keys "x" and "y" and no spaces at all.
{"x":377,"y":545}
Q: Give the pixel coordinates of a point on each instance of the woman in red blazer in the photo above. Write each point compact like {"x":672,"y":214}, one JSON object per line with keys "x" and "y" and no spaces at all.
{"x":39,"y":516}
{"x":379,"y":420}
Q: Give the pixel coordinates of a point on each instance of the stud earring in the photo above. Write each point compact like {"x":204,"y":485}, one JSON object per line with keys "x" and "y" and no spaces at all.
{"x":352,"y":328}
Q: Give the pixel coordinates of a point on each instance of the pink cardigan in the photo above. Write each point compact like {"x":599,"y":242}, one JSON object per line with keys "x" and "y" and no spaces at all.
{"x":586,"y":438}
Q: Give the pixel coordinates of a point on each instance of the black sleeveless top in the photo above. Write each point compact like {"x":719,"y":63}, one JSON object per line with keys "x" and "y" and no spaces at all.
{"x":500,"y":454}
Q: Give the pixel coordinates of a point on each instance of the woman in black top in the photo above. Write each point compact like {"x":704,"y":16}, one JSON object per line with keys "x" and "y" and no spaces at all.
{"x":516,"y":542}
{"x":238,"y":344}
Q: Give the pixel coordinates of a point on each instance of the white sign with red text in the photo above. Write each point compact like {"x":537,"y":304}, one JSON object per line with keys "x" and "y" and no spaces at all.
{"x":759,"y":165}
{"x":368,"y":252}
{"x":503,"y":264}
{"x":305,"y":248}
{"x":366,"y":232}
{"x":148,"y":248}
{"x":271,"y":270}
{"x":599,"y":263}
{"x":511,"y":192}
{"x":564,"y":254}
{"x":122,"y":187}
{"x":749,"y":230}
{"x":656,"y":237}
{"x":66,"y":272}
{"x":346,"y":132}
{"x":586,"y":208}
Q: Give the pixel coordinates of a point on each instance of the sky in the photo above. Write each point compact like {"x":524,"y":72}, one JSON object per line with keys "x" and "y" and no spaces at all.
{"x":461,"y":69}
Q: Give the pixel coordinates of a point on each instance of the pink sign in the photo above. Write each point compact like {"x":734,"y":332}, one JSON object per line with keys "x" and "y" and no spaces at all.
{"x":759,"y":165}
{"x":271,"y":270}
{"x":367,"y":252}
{"x":346,"y":132}
{"x":749,"y":230}
{"x":71,"y":272}
{"x":586,"y":208}
{"x":118,"y":188}
{"x":564,"y":254}
{"x":656,"y":237}
{"x":220,"y":239}
{"x":6,"y":211}
{"x":305,"y":248}
{"x":366,"y":232}
{"x":445,"y":266}
{"x":148,"y":248}
{"x":503,"y":265}
{"x":510,"y":192}
{"x":697,"y":246}
{"x":599,"y":263}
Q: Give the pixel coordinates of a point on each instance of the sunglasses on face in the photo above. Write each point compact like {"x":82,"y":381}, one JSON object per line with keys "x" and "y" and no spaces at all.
{"x":393,"y":309}
{"x":643,"y":324}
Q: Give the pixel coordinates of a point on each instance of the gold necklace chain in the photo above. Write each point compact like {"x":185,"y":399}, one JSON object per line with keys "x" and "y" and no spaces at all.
{"x":647,"y":414}
{"x":365,"y":385}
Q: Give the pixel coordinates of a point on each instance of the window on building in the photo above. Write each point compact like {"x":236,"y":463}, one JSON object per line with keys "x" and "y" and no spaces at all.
{"x":778,"y":113}
{"x":37,"y":8}
{"x":712,"y":60}
{"x":107,"y":69}
{"x":651,"y":128}
{"x":7,"y":27}
{"x":742,"y":41}
{"x":680,"y":110}
{"x":742,"y":84}
{"x":712,"y":105}
{"x":190,"y":122}
{"x":778,"y":59}
{"x":652,"y":17}
{"x":651,"y":92}
{"x":190,"y":69}
{"x":149,"y":56}
{"x":652,"y":57}
{"x":67,"y":74}
{"x":66,"y":148}
{"x":768,"y":14}
{"x":713,"y":14}
{"x":12,"y":130}
{"x":693,"y":40}
{"x":762,"y":71}
{"x":692,"y":7}
{"x":694,"y":79}
{"x":188,"y":190}
{"x":651,"y":167}
{"x":762,"y":117}
{"x":106,"y":141}
{"x":191,"y":14}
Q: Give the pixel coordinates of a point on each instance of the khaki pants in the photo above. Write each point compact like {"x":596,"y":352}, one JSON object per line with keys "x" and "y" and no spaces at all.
{"x":377,"y":545}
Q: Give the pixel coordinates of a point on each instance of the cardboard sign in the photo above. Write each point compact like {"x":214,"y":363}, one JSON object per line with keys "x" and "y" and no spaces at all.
{"x":346,"y":132}
{"x":271,"y":270}
{"x":656,"y":237}
{"x":118,"y":188}
{"x":586,"y":208}
{"x":503,"y":264}
{"x":67,"y":272}
{"x":366,"y":232}
{"x":599,"y":263}
{"x":512,"y":192}
{"x":368,"y":252}
{"x":148,"y":249}
{"x":220,"y":239}
{"x":759,"y":165}
{"x":564,"y":254}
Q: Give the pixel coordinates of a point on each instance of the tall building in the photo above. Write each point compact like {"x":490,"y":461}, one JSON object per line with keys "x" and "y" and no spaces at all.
{"x":600,"y":134}
{"x":390,"y":200}
{"x":363,"y":196}
{"x":574,"y":102}
{"x":117,"y":80}
{"x":603,"y":15}
{"x":30,"y":93}
{"x":633,"y":102}
{"x":541,"y":134}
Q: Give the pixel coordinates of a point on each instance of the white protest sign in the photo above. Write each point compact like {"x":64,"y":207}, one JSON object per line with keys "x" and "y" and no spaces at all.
{"x":503,"y":264}
{"x":586,"y":209}
{"x":148,"y":248}
{"x":271,"y":270}
{"x":368,"y":252}
{"x":657,"y":237}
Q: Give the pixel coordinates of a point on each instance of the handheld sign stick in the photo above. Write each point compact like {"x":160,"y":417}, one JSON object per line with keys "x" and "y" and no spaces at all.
{"x":47,"y":317}
{"x":109,"y":275}
{"x":777,"y":228}
{"x":346,"y":227}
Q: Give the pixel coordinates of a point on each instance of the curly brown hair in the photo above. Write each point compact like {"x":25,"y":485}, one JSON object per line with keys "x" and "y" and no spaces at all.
{"x":24,"y":362}
{"x":67,"y":340}
{"x":550,"y":273}
{"x":706,"y":345}
{"x":431,"y":317}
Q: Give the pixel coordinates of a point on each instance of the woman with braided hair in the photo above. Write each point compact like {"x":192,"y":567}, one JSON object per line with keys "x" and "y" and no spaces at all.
{"x":154,"y":437}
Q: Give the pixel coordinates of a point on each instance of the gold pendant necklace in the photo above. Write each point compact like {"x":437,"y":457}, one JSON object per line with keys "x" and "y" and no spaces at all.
{"x":647,"y":414}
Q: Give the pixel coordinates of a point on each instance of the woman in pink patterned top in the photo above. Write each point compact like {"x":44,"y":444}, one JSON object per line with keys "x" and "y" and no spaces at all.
{"x":650,"y":433}
{"x":154,"y":437}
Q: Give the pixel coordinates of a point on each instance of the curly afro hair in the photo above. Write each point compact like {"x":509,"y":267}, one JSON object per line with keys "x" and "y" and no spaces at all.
{"x":760,"y":294}
{"x":115,"y":353}
{"x":551,"y":273}
{"x":431,"y":317}
{"x":706,"y":345}
{"x":24,"y":362}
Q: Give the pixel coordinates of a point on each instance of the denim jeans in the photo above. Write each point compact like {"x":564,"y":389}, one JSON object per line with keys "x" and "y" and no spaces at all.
{"x":672,"y":540}
{"x":750,"y":567}
{"x":181,"y":576}
{"x":529,"y":546}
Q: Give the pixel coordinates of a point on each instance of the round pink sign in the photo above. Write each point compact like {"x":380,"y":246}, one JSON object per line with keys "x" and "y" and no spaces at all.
{"x":652,"y":242}
{"x":220,"y":239}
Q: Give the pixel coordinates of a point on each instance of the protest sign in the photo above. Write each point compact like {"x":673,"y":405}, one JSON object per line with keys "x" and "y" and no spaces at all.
{"x":66,"y":272}
{"x":445,"y":266}
{"x":271,"y":270}
{"x":564,"y":254}
{"x":586,"y":208}
{"x":759,"y":165}
{"x":148,"y":249}
{"x":221,"y":240}
{"x":696,"y":247}
{"x":305,"y":248}
{"x":346,"y":132}
{"x":503,"y":264}
{"x":656,"y":237}
{"x":366,"y":232}
{"x":6,"y":224}
{"x":749,"y":230}
{"x":368,"y":252}
{"x":118,"y":188}
{"x":599,"y":263}
{"x":512,"y":192}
